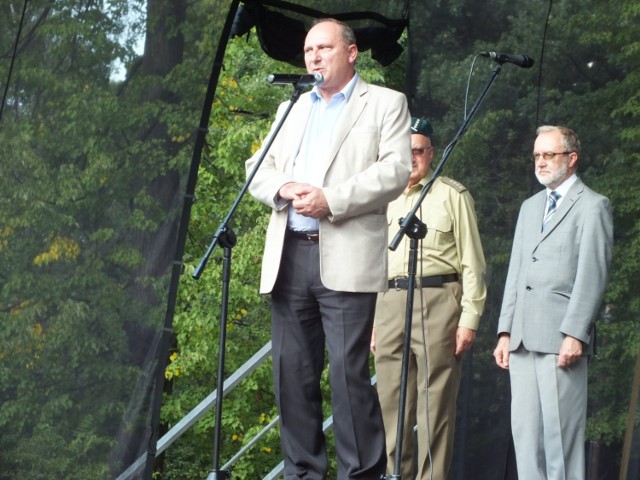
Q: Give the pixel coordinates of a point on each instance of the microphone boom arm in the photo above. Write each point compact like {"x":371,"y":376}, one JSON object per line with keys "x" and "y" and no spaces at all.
{"x":223,"y":228}
{"x":415,"y":229}
{"x":408,"y":220}
{"x":227,"y":239}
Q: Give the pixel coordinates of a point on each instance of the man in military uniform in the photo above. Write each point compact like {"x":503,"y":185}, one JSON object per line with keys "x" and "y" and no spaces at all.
{"x":447,"y":306}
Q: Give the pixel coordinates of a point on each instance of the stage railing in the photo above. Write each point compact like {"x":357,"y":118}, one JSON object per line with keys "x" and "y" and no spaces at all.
{"x":207,"y":404}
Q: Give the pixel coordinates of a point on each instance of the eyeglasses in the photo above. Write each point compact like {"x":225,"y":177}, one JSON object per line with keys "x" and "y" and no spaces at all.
{"x":420,"y":151}
{"x":547,"y":155}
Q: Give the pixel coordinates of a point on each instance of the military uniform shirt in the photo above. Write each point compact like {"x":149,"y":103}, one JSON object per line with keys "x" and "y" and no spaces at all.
{"x":452,"y":243}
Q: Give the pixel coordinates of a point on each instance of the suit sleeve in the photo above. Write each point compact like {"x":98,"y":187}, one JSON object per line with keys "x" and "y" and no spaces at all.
{"x":592,"y":274}
{"x":267,"y":181}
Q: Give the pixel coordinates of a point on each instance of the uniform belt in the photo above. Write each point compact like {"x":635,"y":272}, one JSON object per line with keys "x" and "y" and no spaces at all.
{"x":313,"y":237}
{"x":402,"y":283}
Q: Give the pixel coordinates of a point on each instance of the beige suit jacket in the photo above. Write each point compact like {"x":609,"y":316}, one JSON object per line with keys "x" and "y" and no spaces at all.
{"x":366,"y":166}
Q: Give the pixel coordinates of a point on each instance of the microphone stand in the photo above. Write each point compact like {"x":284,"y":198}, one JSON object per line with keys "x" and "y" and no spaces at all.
{"x":415,"y":229}
{"x":227,"y":239}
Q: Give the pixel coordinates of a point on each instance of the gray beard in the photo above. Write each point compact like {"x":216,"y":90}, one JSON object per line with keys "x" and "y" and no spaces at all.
{"x":555,"y":178}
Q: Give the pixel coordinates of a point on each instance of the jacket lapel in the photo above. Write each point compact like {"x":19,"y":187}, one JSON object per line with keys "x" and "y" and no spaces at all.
{"x":298,"y":118}
{"x":352,"y":111}
{"x":573,"y":195}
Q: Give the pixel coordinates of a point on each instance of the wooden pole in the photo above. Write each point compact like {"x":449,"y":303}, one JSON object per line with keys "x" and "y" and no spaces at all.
{"x":633,"y":406}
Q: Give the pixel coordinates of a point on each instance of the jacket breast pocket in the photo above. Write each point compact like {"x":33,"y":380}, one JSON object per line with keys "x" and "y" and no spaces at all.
{"x":566,"y":241}
{"x":361,"y":146}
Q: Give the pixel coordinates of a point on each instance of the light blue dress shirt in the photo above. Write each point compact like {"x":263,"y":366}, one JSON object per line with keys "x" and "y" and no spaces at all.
{"x":318,"y":136}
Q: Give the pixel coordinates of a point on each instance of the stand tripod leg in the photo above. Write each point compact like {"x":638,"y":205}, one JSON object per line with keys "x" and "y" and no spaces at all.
{"x":227,"y":240}
{"x":418,"y":230}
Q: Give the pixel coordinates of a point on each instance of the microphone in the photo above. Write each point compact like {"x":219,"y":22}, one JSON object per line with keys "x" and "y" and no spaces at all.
{"x":519,"y":60}
{"x":305,"y":80}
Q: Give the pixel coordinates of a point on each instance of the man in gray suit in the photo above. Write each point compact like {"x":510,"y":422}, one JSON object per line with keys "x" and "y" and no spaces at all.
{"x":341,"y":156}
{"x":557,"y":276}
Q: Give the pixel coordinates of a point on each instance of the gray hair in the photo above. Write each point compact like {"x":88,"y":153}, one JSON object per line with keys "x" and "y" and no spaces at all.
{"x":570,"y":139}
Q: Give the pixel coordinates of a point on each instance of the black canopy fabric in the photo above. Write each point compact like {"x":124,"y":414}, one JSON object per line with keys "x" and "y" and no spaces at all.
{"x":282,"y":26}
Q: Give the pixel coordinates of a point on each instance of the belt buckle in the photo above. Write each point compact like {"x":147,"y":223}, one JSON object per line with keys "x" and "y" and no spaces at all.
{"x":398,"y":287}
{"x":313,"y":237}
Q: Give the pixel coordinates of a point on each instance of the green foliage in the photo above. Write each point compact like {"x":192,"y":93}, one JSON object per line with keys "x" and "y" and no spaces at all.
{"x":80,"y":278}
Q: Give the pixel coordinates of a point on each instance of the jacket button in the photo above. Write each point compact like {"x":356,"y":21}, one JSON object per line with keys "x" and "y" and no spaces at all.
{"x":534,"y":259}
{"x":528,"y":288}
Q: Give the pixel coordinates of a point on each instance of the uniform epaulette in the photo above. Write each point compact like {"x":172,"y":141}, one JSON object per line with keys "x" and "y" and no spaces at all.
{"x":457,"y":186}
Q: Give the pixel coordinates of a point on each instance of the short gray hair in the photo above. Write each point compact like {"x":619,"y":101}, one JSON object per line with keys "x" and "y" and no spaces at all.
{"x":570,"y":138}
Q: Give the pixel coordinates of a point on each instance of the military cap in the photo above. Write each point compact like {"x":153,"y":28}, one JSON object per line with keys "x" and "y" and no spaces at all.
{"x":421,"y":126}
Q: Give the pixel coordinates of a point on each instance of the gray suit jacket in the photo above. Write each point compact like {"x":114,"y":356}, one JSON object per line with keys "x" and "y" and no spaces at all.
{"x":556,"y":279}
{"x":367,"y":165}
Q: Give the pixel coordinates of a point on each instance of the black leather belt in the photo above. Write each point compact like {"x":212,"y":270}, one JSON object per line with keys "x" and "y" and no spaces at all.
{"x":402,"y":283}
{"x":313,"y":237}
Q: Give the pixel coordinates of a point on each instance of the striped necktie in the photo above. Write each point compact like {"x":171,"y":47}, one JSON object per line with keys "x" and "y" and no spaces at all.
{"x":552,"y":204}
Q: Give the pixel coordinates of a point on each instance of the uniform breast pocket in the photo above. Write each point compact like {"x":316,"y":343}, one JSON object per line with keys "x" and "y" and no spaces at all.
{"x":439,"y":231}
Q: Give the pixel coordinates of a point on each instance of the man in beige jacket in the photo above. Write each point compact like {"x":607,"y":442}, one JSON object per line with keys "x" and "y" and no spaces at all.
{"x":340,"y":157}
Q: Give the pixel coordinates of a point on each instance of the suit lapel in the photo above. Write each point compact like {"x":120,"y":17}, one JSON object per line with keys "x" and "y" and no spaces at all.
{"x":573,"y":195}
{"x":538,"y":210}
{"x":298,"y":118}
{"x":352,"y":111}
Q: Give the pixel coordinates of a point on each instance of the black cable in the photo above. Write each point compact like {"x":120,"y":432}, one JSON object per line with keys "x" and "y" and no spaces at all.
{"x":13,"y":58}
{"x":544,"y":41}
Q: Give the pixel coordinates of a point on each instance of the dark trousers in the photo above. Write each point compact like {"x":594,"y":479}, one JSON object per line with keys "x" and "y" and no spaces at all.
{"x":306,"y":316}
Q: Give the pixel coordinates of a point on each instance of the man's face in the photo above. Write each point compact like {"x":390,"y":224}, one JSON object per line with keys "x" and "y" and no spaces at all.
{"x":421,"y":157}
{"x":325,"y":52}
{"x":551,"y":173}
